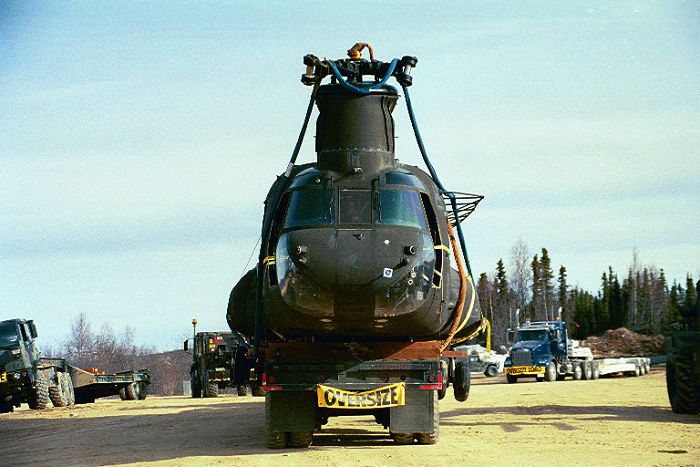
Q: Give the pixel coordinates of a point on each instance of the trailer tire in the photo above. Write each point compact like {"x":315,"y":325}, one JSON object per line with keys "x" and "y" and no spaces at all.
{"x":462,"y":381}
{"x":402,"y":439}
{"x":637,"y":370}
{"x":212,"y":390}
{"x":39,"y":394}
{"x":550,"y":372}
{"x":257,"y":391}
{"x":300,"y":439}
{"x":445,"y":372}
{"x":491,"y":371}
{"x":432,"y":438}
{"x":273,"y":439}
{"x":578,"y":371}
{"x":587,"y":368}
{"x":596,"y":370}
{"x":241,"y":390}
{"x":511,"y":378}
{"x":130,"y":392}
{"x":6,"y":407}
{"x":683,"y":394}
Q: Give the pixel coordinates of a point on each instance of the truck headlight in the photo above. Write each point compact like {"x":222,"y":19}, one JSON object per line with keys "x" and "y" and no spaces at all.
{"x":16,"y":376}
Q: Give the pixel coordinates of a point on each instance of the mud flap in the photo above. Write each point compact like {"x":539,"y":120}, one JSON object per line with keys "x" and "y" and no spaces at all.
{"x":292,"y":410}
{"x":416,"y":416}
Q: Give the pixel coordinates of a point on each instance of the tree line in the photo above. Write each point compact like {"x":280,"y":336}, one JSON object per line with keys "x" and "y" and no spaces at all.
{"x":642,"y":300}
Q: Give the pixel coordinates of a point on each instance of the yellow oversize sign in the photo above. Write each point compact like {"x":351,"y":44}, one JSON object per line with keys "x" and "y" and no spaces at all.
{"x":387,"y":396}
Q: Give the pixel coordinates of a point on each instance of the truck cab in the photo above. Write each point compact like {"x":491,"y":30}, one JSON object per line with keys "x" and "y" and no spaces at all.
{"x":539,"y":345}
{"x":18,"y":353}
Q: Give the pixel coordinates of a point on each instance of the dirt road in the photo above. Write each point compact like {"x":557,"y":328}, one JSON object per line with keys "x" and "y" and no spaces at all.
{"x":619,"y":421}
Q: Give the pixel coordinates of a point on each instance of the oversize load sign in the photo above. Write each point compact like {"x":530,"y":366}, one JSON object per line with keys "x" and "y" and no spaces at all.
{"x":3,"y":377}
{"x":388,"y":396}
{"x":520,"y":370}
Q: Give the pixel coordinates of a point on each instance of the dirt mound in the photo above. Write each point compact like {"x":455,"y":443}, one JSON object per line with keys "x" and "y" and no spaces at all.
{"x":622,"y":342}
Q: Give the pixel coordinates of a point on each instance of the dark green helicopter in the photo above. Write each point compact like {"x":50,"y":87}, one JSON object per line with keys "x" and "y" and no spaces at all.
{"x":357,"y":246}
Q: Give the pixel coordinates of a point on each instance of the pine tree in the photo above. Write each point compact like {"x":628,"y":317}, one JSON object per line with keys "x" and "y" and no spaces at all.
{"x":563,"y":293}
{"x":546,"y":288}
{"x":536,"y":289}
{"x":689,"y":303}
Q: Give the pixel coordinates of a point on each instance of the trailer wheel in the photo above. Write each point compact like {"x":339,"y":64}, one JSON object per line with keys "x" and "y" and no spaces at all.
{"x":683,"y":395}
{"x":6,"y":407}
{"x":273,"y":439}
{"x":511,"y":378}
{"x":550,"y":372}
{"x":212,"y":390}
{"x":130,"y":392}
{"x":402,"y":439}
{"x":432,"y":438}
{"x":587,"y":370}
{"x":596,"y":370}
{"x":637,"y":370}
{"x":462,"y":381}
{"x":39,"y":394}
{"x":491,"y":371}
{"x":257,"y":391}
{"x":300,"y":439}
{"x":578,"y":371}
{"x":442,"y":392}
{"x":242,"y":390}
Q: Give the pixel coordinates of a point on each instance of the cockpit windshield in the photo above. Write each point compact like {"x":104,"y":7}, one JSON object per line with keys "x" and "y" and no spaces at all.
{"x":533,"y":335}
{"x":8,"y":334}
{"x":310,"y":207}
{"x":400,"y":207}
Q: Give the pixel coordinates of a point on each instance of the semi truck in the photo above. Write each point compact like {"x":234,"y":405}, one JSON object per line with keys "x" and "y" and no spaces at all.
{"x":28,"y":377}
{"x":361,"y":287}
{"x":543,"y":350}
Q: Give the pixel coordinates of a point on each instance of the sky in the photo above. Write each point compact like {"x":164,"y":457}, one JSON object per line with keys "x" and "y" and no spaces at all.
{"x":138,"y":140}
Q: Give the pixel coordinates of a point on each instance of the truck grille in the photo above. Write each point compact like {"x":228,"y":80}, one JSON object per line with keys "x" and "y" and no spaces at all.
{"x":522,"y":357}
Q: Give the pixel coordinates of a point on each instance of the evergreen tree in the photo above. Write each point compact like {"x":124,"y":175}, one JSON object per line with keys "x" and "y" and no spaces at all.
{"x":689,"y":303}
{"x":672,"y":318}
{"x":563,"y":293}
{"x":546,"y":288}
{"x":536,"y":289}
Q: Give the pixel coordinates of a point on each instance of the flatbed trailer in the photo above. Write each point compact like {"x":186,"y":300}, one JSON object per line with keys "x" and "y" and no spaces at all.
{"x":630,"y":366}
{"x":395,"y":382}
{"x":129,"y":385}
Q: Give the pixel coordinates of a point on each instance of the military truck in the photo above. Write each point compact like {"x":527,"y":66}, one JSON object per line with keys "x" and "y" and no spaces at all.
{"x":683,"y":369}
{"x":25,"y":376}
{"x":219,"y":361}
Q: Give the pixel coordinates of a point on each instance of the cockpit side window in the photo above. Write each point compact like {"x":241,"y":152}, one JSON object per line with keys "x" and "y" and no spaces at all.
{"x":435,"y":234}
{"x":310,"y":207}
{"x":355,"y":207}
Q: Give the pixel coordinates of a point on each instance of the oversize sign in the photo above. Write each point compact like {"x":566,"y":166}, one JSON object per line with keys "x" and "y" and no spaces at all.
{"x":3,"y":377}
{"x":522,"y":370}
{"x":388,"y":396}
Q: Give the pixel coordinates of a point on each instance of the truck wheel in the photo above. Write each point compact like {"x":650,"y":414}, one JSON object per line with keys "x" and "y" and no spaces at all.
{"x":273,"y":439}
{"x":587,"y":370}
{"x":550,"y":372}
{"x":637,"y":370}
{"x":511,"y":378}
{"x":596,"y":370}
{"x":212,"y":390}
{"x":242,"y":390}
{"x":578,"y":371}
{"x":462,"y":381}
{"x":300,"y":439}
{"x":67,"y":386}
{"x":432,"y":438}
{"x":39,"y":394}
{"x":6,"y":407}
{"x":142,"y":390}
{"x":257,"y":391}
{"x":130,"y":391}
{"x":442,"y":392}
{"x":683,"y":395}
{"x":57,"y":393}
{"x":402,"y":439}
{"x":196,"y":389}
{"x":491,"y":371}
{"x":122,"y":394}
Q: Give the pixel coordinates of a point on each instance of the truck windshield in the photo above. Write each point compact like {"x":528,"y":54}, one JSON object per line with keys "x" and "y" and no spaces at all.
{"x":310,"y":207}
{"x":533,"y":335}
{"x":8,"y":334}
{"x":401,"y":207}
